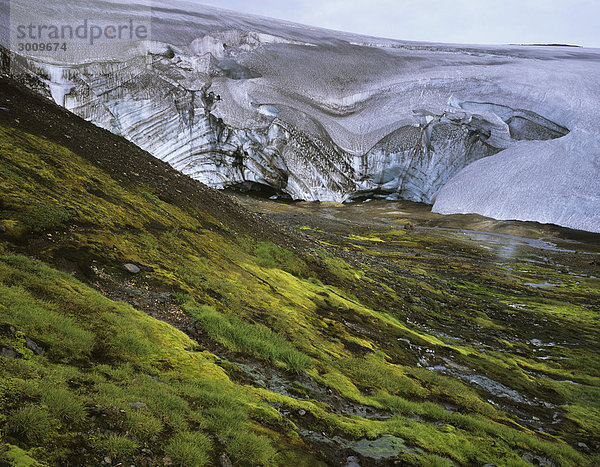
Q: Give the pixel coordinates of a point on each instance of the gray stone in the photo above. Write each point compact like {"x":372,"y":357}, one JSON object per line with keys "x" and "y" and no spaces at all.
{"x":536,"y":460}
{"x":138,"y":405}
{"x":8,"y":353}
{"x":31,"y":344}
{"x":8,"y":330}
{"x":301,"y":412}
{"x":352,"y":461}
{"x":225,"y":461}
{"x":384,"y":447}
{"x":131,"y":268}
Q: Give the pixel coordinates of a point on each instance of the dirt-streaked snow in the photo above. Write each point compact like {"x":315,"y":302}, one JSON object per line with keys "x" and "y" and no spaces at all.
{"x":319,"y":114}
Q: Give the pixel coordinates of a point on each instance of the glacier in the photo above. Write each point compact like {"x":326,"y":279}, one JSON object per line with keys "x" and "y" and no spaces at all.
{"x":234,"y":100}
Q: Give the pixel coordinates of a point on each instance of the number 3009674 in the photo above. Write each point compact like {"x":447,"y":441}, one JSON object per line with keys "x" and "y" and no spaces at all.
{"x":41,"y":46}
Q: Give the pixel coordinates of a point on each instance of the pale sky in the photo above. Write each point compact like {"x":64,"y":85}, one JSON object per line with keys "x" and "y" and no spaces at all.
{"x":458,"y":21}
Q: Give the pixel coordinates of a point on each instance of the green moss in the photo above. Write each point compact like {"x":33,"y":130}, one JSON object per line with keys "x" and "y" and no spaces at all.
{"x":349,"y":330}
{"x":16,"y":456}
{"x":373,"y":372}
{"x":342,"y":384}
{"x":46,"y":216}
{"x":270,"y":255}
{"x":341,"y":268}
{"x":150,"y":197}
{"x":154,"y":348}
{"x":15,"y":230}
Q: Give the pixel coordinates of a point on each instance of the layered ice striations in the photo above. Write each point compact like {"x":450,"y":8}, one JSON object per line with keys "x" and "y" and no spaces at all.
{"x":312,"y":114}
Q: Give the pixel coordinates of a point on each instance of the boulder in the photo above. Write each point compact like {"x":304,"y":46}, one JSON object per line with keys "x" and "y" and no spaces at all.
{"x":131,"y":268}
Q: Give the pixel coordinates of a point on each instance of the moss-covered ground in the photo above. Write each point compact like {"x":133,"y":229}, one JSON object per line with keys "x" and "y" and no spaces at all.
{"x":270,"y":347}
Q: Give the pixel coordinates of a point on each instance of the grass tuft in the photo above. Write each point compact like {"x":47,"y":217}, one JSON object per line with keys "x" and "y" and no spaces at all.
{"x":190,"y":449}
{"x":255,"y":339}
{"x":117,"y":446}
{"x":31,"y":423}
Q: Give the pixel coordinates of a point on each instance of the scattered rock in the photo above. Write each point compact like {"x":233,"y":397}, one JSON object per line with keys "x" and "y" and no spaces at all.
{"x":138,"y":405}
{"x":583,"y":446}
{"x":225,"y":461}
{"x":373,"y":452}
{"x":409,"y":226}
{"x":167,"y":460}
{"x":32,"y":345}
{"x":8,"y":353}
{"x":384,"y":447}
{"x":108,"y":460}
{"x":536,"y":460}
{"x":163,"y":297}
{"x":8,"y":330}
{"x":131,"y":268}
{"x":301,"y":412}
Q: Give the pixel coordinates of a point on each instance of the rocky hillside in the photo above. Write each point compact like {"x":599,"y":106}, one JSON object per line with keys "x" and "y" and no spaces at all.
{"x":305,"y":113}
{"x":146,"y":319}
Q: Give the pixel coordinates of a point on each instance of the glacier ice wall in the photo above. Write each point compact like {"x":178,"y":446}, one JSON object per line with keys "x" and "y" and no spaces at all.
{"x":551,"y":187}
{"x":236,"y":100}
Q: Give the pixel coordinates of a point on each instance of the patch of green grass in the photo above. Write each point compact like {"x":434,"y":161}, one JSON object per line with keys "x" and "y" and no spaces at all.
{"x":190,"y":449}
{"x":248,"y":448}
{"x":270,"y":255}
{"x":46,"y":216}
{"x":64,"y":405}
{"x":143,"y":426}
{"x":32,"y":424}
{"x":373,"y":372}
{"x":341,"y":268}
{"x":255,"y":339}
{"x":43,"y":322}
{"x":151,"y":198}
{"x":118,"y":447}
